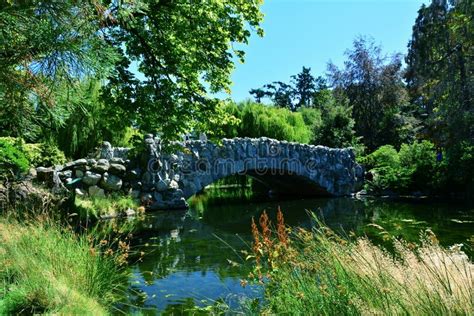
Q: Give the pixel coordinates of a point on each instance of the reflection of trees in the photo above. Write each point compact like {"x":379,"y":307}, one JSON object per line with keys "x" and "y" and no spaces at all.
{"x":187,"y":245}
{"x":338,"y":213}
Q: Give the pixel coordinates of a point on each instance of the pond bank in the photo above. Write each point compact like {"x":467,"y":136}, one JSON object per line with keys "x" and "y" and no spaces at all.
{"x":48,"y":269}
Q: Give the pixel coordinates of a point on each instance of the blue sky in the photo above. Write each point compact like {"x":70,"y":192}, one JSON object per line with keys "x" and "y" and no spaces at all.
{"x":312,"y":32}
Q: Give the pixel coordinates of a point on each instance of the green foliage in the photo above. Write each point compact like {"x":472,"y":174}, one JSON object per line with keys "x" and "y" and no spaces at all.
{"x":384,"y":156}
{"x":182,"y":51}
{"x":459,"y":163}
{"x":86,"y":120}
{"x":45,"y":45}
{"x":304,"y":90}
{"x":413,"y":168}
{"x":95,"y":207}
{"x":12,"y":157}
{"x":311,"y":117}
{"x":47,"y":269}
{"x":257,"y":120}
{"x":388,"y":174}
{"x":336,"y":128}
{"x":441,"y":84}
{"x":44,"y":155}
{"x":419,"y":160}
{"x":373,"y":86}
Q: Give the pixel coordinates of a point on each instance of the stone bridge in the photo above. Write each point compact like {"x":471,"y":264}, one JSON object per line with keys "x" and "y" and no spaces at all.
{"x":166,"y":180}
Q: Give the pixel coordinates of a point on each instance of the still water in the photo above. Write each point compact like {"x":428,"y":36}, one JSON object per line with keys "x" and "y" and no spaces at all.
{"x":195,"y":258}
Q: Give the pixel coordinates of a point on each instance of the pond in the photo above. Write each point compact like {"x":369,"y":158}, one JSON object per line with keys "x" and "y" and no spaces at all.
{"x":195,"y":258}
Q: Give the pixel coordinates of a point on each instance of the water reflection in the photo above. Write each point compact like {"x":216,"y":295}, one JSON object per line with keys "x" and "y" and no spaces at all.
{"x":194,"y":258}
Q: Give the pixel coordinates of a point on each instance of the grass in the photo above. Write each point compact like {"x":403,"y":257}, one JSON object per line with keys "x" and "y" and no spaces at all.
{"x":109,"y":206}
{"x":319,"y":273}
{"x":48,"y":269}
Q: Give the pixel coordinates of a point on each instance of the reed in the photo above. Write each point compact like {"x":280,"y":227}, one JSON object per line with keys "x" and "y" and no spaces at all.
{"x":319,"y":273}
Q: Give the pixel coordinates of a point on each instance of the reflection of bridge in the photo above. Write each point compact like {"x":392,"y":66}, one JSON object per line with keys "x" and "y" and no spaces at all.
{"x":285,"y":167}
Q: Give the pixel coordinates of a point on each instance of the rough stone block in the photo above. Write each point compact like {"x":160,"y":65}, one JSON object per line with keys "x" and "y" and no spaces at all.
{"x":111,"y":182}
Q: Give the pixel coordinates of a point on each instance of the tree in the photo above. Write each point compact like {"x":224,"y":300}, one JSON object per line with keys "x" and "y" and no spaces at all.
{"x":336,"y":127}
{"x":257,"y":120}
{"x":440,"y":79}
{"x":303,"y":90}
{"x":43,"y":45}
{"x":182,"y":49}
{"x":281,"y":94}
{"x":305,"y":86}
{"x":374,"y":87}
{"x":258,"y":94}
{"x":439,"y":72}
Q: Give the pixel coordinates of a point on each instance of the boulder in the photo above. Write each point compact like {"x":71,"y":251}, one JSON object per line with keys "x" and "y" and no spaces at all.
{"x":133,"y":174}
{"x":146,"y":198}
{"x":32,"y":173}
{"x":136,"y":185}
{"x":79,"y":192}
{"x":101,"y":166}
{"x":147,"y":177}
{"x":78,"y":162}
{"x":91,"y":178}
{"x":65,"y":174}
{"x":111,"y":182}
{"x":117,"y":169}
{"x":117,"y":160}
{"x":135,"y":194}
{"x":158,"y":196}
{"x":106,"y":151}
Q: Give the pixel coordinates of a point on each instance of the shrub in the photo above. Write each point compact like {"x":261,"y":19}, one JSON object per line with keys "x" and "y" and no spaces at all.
{"x":112,"y":205}
{"x":12,"y":158}
{"x":44,"y":154}
{"x":413,"y":168}
{"x":419,"y":159}
{"x":311,"y":116}
{"x":39,"y":154}
{"x":384,"y":164}
{"x":384,"y":156}
{"x":459,"y":169}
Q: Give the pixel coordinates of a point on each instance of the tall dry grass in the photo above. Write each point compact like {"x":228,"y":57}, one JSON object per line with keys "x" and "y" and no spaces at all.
{"x":319,"y":273}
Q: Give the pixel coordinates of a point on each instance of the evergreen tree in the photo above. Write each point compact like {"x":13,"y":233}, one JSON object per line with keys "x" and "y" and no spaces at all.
{"x":305,"y":87}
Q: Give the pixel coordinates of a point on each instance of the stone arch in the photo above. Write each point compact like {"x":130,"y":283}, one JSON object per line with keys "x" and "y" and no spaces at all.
{"x":291,"y":167}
